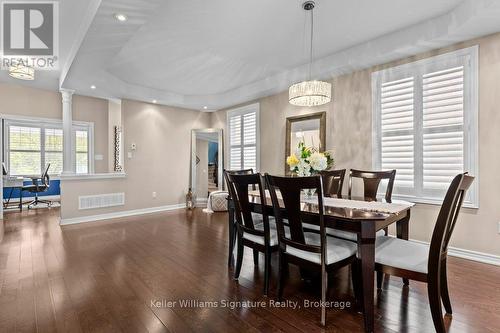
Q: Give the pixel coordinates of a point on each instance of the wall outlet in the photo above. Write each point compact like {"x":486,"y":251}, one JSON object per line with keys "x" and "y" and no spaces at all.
{"x":154,"y":195}
{"x":499,"y":227}
{"x":129,"y":155}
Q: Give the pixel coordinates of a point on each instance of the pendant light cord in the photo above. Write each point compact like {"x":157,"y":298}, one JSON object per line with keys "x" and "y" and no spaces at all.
{"x":311,"y":49}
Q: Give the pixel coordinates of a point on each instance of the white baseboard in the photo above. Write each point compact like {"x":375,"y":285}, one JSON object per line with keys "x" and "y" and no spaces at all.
{"x":482,"y":257}
{"x":125,"y":213}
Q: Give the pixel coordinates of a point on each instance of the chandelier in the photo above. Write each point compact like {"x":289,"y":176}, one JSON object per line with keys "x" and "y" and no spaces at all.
{"x":22,"y":72}
{"x":311,"y":92}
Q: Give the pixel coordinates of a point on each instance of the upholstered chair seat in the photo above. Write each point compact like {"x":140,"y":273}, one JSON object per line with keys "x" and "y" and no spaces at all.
{"x":403,"y":254}
{"x":336,"y":250}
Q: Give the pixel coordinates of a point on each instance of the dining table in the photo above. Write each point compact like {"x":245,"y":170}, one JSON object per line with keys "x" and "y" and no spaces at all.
{"x":355,"y":215}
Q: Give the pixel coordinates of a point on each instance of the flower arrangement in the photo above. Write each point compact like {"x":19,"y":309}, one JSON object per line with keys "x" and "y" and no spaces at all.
{"x":308,"y":161}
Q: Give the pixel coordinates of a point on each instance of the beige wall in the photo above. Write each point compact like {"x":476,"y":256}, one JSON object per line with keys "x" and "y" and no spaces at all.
{"x":94,"y":110}
{"x":160,"y":164}
{"x":30,"y":102}
{"x":349,"y":136}
{"x":24,"y":101}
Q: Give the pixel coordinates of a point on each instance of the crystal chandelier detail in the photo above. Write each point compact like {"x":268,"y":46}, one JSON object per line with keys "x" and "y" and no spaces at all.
{"x":311,"y":92}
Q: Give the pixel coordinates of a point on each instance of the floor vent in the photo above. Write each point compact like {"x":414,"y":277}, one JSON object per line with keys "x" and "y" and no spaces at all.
{"x":101,"y":200}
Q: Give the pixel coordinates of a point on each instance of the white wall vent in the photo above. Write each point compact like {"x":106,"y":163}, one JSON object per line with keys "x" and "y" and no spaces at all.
{"x":101,"y":200}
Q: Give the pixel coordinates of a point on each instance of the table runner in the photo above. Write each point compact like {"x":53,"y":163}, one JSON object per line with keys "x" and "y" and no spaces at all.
{"x":373,"y":206}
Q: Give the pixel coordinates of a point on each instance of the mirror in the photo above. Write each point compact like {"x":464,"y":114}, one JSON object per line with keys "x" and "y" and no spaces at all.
{"x":309,"y":128}
{"x":207,"y":162}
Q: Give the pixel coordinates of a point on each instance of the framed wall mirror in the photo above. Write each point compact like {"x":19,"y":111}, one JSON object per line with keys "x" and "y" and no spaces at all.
{"x":309,"y":128}
{"x":207,"y":162}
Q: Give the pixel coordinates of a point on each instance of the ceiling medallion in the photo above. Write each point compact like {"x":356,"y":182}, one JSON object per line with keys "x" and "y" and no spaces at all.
{"x":311,"y":92}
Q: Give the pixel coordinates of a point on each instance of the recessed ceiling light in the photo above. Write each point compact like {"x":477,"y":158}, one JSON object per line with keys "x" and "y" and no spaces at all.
{"x":120,"y":17}
{"x":205,"y":107}
{"x":155,"y":101}
{"x":93,"y":87}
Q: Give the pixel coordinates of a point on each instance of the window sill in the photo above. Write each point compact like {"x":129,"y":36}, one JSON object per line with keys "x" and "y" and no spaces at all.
{"x":431,"y":201}
{"x":93,"y":176}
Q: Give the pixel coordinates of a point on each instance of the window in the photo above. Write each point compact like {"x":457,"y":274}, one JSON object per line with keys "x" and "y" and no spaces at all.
{"x":243,"y":124}
{"x":33,"y":144}
{"x":82,"y":150}
{"x":425,"y":124}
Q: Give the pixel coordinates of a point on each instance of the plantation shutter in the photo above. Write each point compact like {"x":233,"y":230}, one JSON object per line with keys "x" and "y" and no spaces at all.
{"x":425,"y":123}
{"x":397,"y":147}
{"x":443,"y":127}
{"x":243,"y":139}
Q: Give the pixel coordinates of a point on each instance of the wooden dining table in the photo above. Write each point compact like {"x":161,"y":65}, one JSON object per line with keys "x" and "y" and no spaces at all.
{"x":364,"y":222}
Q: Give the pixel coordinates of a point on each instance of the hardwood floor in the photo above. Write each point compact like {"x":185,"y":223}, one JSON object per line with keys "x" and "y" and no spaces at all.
{"x":106,"y":276}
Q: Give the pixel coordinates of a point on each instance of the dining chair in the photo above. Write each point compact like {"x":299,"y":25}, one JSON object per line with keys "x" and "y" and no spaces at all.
{"x":425,"y":263}
{"x":232,"y":227}
{"x":313,"y":251}
{"x":333,"y":182}
{"x":256,"y":231}
{"x":371,"y":182}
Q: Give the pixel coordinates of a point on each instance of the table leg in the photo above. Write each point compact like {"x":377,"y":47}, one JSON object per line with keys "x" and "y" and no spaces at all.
{"x":231,"y":233}
{"x":403,"y":232}
{"x":366,"y":252}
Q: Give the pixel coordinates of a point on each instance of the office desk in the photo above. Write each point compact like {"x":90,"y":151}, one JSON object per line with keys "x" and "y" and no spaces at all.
{"x":12,"y":182}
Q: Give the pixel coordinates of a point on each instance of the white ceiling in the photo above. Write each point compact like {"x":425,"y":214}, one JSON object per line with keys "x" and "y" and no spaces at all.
{"x":218,"y":53}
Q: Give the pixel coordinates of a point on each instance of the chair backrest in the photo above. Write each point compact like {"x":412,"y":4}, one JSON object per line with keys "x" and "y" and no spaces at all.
{"x":237,"y":172}
{"x":290,"y":189}
{"x":371,"y":181}
{"x":238,"y":185}
{"x":447,"y":219}
{"x":333,"y":182}
{"x":46,"y":177}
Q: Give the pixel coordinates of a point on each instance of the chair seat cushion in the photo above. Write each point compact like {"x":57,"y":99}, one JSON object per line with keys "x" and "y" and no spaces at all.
{"x":399,"y":253}
{"x":337,"y":249}
{"x":273,"y":237}
{"x":351,"y":236}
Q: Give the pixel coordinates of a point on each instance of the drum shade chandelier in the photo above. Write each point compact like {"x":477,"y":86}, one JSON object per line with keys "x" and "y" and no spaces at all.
{"x":311,"y":92}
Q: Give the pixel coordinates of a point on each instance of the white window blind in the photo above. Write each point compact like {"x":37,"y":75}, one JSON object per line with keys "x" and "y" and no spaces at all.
{"x":32,"y":144}
{"x":82,"y":150}
{"x":243,"y":129}
{"x":425,"y":124}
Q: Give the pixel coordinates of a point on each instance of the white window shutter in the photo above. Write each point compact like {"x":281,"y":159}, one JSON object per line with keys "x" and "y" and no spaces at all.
{"x":397,"y":99}
{"x":243,"y":127}
{"x":443,"y":126}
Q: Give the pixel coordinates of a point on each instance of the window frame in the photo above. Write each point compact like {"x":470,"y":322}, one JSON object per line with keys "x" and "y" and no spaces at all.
{"x":240,"y":112}
{"x":44,"y":123}
{"x":468,"y":58}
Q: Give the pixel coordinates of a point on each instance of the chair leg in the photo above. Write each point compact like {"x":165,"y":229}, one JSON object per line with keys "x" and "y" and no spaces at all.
{"x":386,"y":231}
{"x":256,"y":257}
{"x":232,"y":237}
{"x":434,"y":293}
{"x":406,"y":282}
{"x":281,"y":275}
{"x":239,"y":258}
{"x":324,"y":287}
{"x":267,"y":270}
{"x":445,"y":297}
{"x":380,"y":280}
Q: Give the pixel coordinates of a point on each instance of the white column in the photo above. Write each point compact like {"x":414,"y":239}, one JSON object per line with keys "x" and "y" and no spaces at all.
{"x":67,"y":118}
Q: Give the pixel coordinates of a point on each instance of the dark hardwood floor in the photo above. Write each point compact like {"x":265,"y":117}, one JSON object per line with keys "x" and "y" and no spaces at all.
{"x":106,"y":276}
